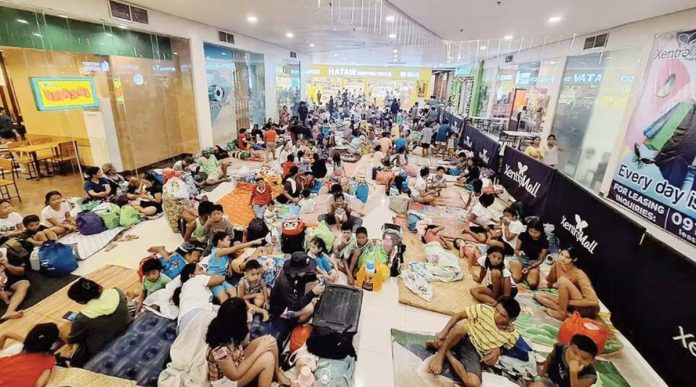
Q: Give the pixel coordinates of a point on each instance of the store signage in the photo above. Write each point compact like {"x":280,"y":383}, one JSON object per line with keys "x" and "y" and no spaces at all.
{"x":118,"y":90}
{"x":505,"y":77}
{"x":356,"y":72}
{"x":163,"y":69}
{"x":64,"y":93}
{"x":463,"y":71}
{"x":409,"y":74}
{"x":95,"y":67}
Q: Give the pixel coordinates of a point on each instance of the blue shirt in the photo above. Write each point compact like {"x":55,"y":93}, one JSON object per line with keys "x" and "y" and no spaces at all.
{"x":443,"y":132}
{"x":323,"y":263}
{"x":399,"y":143}
{"x":218,"y":265}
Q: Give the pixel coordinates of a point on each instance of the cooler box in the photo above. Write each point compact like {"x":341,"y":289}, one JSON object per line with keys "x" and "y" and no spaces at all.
{"x":339,"y":308}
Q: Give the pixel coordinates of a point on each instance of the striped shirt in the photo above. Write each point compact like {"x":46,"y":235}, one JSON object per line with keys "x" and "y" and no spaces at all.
{"x":483,"y":332}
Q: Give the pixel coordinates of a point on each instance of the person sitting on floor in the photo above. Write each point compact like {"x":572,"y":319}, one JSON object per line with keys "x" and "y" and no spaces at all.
{"x":185,"y":165}
{"x":10,"y":222}
{"x":438,"y":182}
{"x":470,"y":173}
{"x":575,"y":291}
{"x":96,"y":186}
{"x":292,"y":187}
{"x":494,"y":276}
{"x":15,"y":285}
{"x":33,"y":365}
{"x":295,"y":289}
{"x":306,"y":203}
{"x":153,"y":279}
{"x":35,"y":233}
{"x":340,"y":213}
{"x":353,"y":253}
{"x":253,"y":290}
{"x":325,"y":269}
{"x":56,"y":215}
{"x":505,"y":235}
{"x":260,"y":196}
{"x":480,"y":221}
{"x":117,"y":182}
{"x":195,"y":236}
{"x":569,"y":365}
{"x":530,"y":252}
{"x":233,"y":358}
{"x":218,"y":222}
{"x":214,"y":171}
{"x":104,"y":316}
{"x":142,"y":200}
{"x":475,"y":195}
{"x":475,"y":335}
{"x":219,"y":263}
{"x":421,"y":193}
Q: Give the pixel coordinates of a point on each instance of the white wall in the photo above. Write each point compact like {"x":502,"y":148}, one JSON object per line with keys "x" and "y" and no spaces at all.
{"x":638,"y":34}
{"x":197,"y":33}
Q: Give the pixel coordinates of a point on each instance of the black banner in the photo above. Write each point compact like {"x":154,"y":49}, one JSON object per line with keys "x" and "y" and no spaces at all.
{"x":663,"y":325}
{"x":527,"y":180}
{"x":610,"y":241}
{"x":485,"y":148}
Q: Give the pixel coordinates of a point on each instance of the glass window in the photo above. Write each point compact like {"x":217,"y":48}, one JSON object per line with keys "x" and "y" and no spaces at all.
{"x":287,"y":83}
{"x":591,"y":107}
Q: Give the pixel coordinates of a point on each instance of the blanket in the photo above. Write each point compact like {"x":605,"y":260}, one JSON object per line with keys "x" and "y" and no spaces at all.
{"x":236,"y":204}
{"x":88,"y":245}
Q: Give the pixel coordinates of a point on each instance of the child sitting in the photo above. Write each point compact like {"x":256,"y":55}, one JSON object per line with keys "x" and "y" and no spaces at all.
{"x":480,"y":220}
{"x":306,"y":203}
{"x":505,"y":237}
{"x":317,"y":250}
{"x":217,"y":222}
{"x":341,"y":243}
{"x":495,"y":277}
{"x":195,"y":237}
{"x":153,"y":279}
{"x":354,"y":251}
{"x":56,"y":214}
{"x":569,"y":365}
{"x":252,"y":289}
{"x":288,"y":164}
{"x":36,"y":233}
{"x":221,"y":264}
{"x":270,"y":215}
{"x":439,"y":181}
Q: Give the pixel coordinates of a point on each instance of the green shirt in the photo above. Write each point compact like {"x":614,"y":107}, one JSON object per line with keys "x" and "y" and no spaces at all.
{"x":199,"y":234}
{"x":151,"y":287}
{"x":209,"y":166}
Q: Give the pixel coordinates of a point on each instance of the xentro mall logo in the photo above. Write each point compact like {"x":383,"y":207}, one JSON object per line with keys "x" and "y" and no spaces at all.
{"x":484,"y":156}
{"x":519,"y":176}
{"x":468,"y":143}
{"x":577,"y":230}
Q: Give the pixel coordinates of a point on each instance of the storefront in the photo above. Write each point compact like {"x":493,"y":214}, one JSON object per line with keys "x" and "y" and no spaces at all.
{"x":461,"y":90}
{"x":378,"y":84}
{"x":287,"y":85}
{"x":114,"y":91}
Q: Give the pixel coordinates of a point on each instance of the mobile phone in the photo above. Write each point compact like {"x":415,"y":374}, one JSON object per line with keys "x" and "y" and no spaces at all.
{"x":70,"y":316}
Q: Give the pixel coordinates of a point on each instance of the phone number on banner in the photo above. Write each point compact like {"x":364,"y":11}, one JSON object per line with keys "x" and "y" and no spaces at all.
{"x":676,"y":222}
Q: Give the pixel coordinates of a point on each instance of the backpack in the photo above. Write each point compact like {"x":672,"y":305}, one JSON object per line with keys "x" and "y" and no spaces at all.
{"x":89,"y":223}
{"x":328,"y":343}
{"x":129,"y":216}
{"x":292,"y":235}
{"x":16,"y":248}
{"x":110,"y":215}
{"x":57,"y":259}
{"x":299,"y":336}
{"x":362,"y":192}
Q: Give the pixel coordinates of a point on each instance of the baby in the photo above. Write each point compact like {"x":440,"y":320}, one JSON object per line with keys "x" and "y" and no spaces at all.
{"x":253,"y":290}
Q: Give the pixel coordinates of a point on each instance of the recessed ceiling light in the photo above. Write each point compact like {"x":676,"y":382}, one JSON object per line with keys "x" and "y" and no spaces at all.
{"x":335,"y":55}
{"x":482,"y":48}
{"x":38,"y":35}
{"x":63,"y":16}
{"x":252,"y":19}
{"x":389,"y":18}
{"x":123,"y":27}
{"x":311,"y":45}
{"x":22,"y":21}
{"x":289,"y":35}
{"x":555,"y":19}
{"x":395,"y":51}
{"x":508,"y":37}
{"x":175,"y":53}
{"x":392,"y":36}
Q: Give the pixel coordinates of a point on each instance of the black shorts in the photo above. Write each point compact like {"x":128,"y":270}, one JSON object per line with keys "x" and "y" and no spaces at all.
{"x":507,"y":249}
{"x":478,"y":229}
{"x":425,"y":146}
{"x":191,"y":246}
{"x":465,"y":352}
{"x":513,"y":290}
{"x":145,"y":204}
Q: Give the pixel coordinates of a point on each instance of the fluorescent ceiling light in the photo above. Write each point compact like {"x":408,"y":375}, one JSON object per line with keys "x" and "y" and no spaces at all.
{"x":123,"y":27}
{"x":22,"y":21}
{"x":311,"y":45}
{"x":508,"y":37}
{"x":63,"y":16}
{"x":482,"y":48}
{"x":38,"y":35}
{"x":289,"y":35}
{"x":395,"y":51}
{"x":252,"y":19}
{"x":392,"y":36}
{"x":555,"y":19}
{"x":335,"y":55}
{"x":390,"y":18}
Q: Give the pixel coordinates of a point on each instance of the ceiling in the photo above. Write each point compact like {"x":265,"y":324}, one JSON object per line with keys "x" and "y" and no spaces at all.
{"x":363,"y":32}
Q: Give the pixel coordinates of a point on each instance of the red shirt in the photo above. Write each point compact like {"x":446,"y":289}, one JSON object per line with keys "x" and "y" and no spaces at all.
{"x":286,"y":167}
{"x":261,"y":198}
{"x":270,"y":136}
{"x":242,"y":142}
{"x":24,"y":369}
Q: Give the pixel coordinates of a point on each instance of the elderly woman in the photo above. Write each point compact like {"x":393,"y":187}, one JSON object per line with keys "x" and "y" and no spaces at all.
{"x":117,"y":182}
{"x":292,"y":187}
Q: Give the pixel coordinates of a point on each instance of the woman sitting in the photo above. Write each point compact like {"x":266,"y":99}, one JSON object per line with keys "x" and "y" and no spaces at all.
{"x":575,"y":291}
{"x":291,"y":187}
{"x":233,"y":358}
{"x":319,"y":169}
{"x":103,"y":318}
{"x":421,"y":193}
{"x":96,"y":186}
{"x":530,"y":252}
{"x":147,"y":194}
{"x":117,"y":182}
{"x":32,"y":366}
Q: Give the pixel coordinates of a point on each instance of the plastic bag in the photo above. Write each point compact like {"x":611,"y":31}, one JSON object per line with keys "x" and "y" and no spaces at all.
{"x":577,"y":325}
{"x":57,"y":259}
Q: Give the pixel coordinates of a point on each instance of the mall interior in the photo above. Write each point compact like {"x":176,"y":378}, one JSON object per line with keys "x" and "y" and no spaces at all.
{"x":347,"y":193}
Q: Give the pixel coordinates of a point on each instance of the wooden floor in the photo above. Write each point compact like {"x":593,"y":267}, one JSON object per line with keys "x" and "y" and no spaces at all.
{"x":33,"y":192}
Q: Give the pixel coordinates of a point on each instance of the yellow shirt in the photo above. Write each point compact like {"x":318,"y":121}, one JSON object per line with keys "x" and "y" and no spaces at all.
{"x":483,"y":332}
{"x":536,"y":153}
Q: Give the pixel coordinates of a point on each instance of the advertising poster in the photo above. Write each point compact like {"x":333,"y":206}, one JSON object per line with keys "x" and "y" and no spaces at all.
{"x":219,"y":68}
{"x":656,"y":175}
{"x":64,"y":93}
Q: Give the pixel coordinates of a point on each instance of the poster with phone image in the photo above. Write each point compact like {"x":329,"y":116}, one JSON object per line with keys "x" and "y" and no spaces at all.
{"x":656,"y":177}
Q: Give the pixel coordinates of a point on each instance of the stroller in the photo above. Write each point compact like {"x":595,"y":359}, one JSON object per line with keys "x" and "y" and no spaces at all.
{"x":392,"y":242}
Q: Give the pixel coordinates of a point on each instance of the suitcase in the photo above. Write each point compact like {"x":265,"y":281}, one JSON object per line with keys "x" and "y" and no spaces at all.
{"x":339,"y":309}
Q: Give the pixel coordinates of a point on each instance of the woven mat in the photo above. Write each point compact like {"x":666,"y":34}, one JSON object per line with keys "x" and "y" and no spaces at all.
{"x":236,"y":204}
{"x":448,"y":297}
{"x":54,"y":307}
{"x":61,"y":377}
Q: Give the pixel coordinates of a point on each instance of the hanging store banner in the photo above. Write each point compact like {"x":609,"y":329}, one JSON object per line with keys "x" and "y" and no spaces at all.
{"x":656,"y":177}
{"x":64,"y":93}
{"x":527,"y":180}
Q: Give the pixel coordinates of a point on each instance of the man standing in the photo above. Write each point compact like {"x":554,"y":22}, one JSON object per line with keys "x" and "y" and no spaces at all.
{"x":414,"y":112}
{"x":395,"y":109}
{"x":303,"y":111}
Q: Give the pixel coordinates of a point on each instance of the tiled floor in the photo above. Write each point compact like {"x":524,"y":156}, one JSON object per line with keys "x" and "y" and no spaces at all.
{"x":380,"y":311}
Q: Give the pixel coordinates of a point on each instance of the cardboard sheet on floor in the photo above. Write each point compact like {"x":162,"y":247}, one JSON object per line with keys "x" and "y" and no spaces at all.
{"x":61,"y":377}
{"x":54,"y":307}
{"x":448,"y":298}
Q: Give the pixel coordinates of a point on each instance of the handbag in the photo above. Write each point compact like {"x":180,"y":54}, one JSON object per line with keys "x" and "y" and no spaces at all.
{"x":89,"y":223}
{"x":399,"y":204}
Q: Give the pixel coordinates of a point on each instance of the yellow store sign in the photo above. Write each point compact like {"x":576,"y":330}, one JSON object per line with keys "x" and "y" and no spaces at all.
{"x":64,"y":93}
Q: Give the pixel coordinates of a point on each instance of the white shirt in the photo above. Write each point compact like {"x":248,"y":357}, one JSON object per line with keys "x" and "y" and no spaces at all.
{"x":10,"y":224}
{"x":483,"y":214}
{"x":306,"y":205}
{"x":195,"y":294}
{"x":551,"y":156}
{"x":487,"y":280}
{"x":515,"y":227}
{"x":426,"y":135}
{"x":420,"y":186}
{"x":58,"y":216}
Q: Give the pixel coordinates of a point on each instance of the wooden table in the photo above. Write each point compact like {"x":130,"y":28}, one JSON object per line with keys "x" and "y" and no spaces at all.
{"x":32,"y":149}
